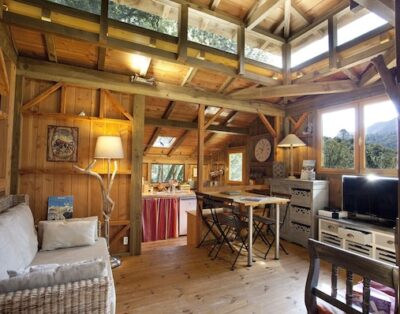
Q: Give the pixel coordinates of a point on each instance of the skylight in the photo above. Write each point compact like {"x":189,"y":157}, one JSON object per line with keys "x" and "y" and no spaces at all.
{"x":359,"y":27}
{"x":164,"y":141}
{"x":310,"y":51}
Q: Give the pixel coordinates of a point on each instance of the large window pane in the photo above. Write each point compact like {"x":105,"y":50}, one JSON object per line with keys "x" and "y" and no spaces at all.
{"x":92,"y":6}
{"x":380,"y":123}
{"x":212,"y":32}
{"x":352,"y":25}
{"x":315,"y":44}
{"x":338,"y":129}
{"x":154,"y":15}
{"x":166,"y":172}
{"x":236,"y":167}
{"x":263,"y":51}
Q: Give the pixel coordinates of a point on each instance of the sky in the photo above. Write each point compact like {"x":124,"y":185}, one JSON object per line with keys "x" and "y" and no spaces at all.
{"x":333,"y":122}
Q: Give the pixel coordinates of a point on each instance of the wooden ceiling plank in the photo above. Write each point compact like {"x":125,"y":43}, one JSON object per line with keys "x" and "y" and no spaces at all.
{"x":191,"y":73}
{"x":253,"y":10}
{"x":296,"y":11}
{"x":50,"y":47}
{"x":115,"y":103}
{"x":382,"y":8}
{"x":96,"y":79}
{"x":63,"y":99}
{"x":229,"y":80}
{"x":297,"y":90}
{"x":213,"y":118}
{"x":371,"y":75}
{"x":262,"y":12}
{"x":36,"y":100}
{"x":267,"y":125}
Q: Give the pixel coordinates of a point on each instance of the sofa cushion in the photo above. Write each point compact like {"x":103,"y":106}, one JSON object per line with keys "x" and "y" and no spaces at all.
{"x":80,"y":253}
{"x":42,"y":224}
{"x":68,"y":234}
{"x":55,"y":276}
{"x":18,"y":239}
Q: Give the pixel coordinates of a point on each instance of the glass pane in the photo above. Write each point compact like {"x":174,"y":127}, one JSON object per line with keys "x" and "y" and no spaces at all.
{"x":92,"y":6}
{"x":212,"y":32}
{"x":352,"y":25}
{"x":150,"y":14}
{"x":380,"y":122}
{"x":263,"y":51}
{"x":236,"y":167}
{"x":338,"y":130}
{"x":166,"y":172}
{"x":312,"y":46}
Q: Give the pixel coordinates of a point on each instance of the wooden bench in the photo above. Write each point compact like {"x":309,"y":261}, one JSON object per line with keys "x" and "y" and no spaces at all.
{"x":367,"y":268}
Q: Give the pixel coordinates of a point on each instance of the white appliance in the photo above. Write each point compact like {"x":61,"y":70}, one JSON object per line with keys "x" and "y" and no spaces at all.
{"x":186,"y":203}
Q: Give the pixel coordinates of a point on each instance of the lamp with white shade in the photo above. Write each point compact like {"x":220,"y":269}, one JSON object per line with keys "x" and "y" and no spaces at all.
{"x":108,"y":148}
{"x":291,"y":141}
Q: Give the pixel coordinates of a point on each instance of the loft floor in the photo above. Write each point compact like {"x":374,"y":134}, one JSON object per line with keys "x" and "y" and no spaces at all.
{"x":170,"y":277}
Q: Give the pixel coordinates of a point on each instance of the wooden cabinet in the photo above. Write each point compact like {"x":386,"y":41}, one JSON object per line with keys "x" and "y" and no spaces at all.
{"x":307,"y":197}
{"x":361,"y":238}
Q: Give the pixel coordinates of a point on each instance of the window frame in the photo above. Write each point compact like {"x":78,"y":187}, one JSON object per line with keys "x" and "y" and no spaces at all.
{"x":236,"y":150}
{"x":359,"y":140}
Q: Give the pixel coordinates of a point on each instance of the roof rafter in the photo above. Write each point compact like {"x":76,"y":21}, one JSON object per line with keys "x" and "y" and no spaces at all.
{"x":262,"y":12}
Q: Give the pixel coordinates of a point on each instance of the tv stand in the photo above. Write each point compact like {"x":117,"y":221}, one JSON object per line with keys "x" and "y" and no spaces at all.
{"x":359,"y":237}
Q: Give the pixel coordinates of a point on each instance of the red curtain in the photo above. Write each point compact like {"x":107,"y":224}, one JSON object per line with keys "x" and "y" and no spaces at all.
{"x":159,"y":219}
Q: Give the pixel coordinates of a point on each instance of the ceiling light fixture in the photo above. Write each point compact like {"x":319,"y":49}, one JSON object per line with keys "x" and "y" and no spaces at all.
{"x":139,"y":64}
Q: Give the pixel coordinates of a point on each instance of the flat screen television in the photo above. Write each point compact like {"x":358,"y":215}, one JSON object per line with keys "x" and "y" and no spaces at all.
{"x":371,"y":198}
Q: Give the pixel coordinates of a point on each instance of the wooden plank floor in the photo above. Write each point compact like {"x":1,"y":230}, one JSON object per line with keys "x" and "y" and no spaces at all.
{"x":170,"y":277}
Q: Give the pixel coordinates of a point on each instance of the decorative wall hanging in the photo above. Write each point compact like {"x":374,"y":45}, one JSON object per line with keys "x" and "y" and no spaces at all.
{"x":62,"y":143}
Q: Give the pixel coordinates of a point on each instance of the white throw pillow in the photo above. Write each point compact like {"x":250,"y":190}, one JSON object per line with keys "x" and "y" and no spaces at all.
{"x":68,"y":234}
{"x":45,"y":222}
{"x":59,"y":275}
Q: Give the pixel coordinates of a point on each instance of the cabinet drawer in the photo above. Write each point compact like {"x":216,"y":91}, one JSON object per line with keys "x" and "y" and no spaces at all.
{"x":301,"y":215}
{"x":301,"y":197}
{"x":355,"y":236}
{"x":300,"y":233}
{"x":280,"y":188}
{"x":385,"y":241}
{"x":329,"y":227}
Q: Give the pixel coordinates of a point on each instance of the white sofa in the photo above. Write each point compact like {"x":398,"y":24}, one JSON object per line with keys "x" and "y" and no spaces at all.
{"x":19,"y":249}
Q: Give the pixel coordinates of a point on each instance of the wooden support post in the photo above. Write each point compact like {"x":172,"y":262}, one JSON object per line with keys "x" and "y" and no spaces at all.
{"x":16,"y":139}
{"x":287,"y":79}
{"x":267,"y":125}
{"x":63,"y":100}
{"x":241,"y":49}
{"x":103,"y":22}
{"x":136,"y":203}
{"x":332,"y":38}
{"x":200,"y":148}
{"x":10,"y":99}
{"x":183,"y":31}
{"x":286,"y":21}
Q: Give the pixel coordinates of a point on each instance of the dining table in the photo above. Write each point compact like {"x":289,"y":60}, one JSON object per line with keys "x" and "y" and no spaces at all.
{"x":250,"y":201}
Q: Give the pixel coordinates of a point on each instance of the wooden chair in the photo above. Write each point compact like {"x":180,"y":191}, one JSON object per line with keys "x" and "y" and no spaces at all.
{"x":367,"y":268}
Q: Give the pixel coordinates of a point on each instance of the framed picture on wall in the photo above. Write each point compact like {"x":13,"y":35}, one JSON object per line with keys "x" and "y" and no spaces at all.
{"x":62,"y":143}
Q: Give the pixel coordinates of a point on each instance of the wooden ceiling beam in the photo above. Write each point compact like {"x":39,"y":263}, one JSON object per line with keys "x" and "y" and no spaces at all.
{"x":371,"y":75}
{"x":267,"y":125}
{"x":116,"y":104}
{"x":261,"y":12}
{"x":352,"y":75}
{"x":50,"y":47}
{"x":187,"y":125}
{"x":6,"y":44}
{"x":96,"y":79}
{"x":382,"y":8}
{"x":36,"y":100}
{"x":297,"y":90}
{"x":222,"y":89}
{"x":296,"y":11}
{"x":101,"y":58}
{"x":178,"y":142}
{"x":191,"y":73}
{"x":213,"y":118}
{"x":287,"y":7}
{"x":324,"y":101}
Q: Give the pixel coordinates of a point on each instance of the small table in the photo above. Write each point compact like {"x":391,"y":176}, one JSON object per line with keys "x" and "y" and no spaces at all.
{"x":251,"y":200}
